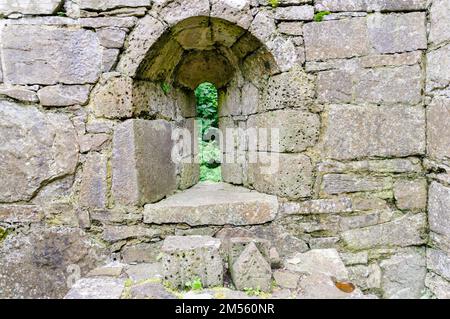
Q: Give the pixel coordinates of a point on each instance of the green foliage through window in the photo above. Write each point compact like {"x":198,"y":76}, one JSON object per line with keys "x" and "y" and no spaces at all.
{"x":208,"y":117}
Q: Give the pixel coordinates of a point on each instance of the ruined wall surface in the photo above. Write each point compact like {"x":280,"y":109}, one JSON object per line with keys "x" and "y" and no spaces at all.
{"x":91,"y":90}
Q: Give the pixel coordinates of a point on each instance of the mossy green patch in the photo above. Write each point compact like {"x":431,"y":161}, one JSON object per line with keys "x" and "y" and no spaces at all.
{"x":318,"y":17}
{"x":274,"y":3}
{"x":3,"y":234}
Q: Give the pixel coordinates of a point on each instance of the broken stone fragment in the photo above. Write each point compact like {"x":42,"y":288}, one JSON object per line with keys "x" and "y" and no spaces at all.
{"x":187,"y":258}
{"x":251,"y":270}
{"x":237,"y":245}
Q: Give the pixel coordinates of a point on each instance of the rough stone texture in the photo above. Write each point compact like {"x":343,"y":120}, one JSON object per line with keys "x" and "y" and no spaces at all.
{"x":37,"y":55}
{"x":20,"y":214}
{"x":336,"y":39}
{"x":342,"y":183}
{"x":116,"y":233}
{"x":141,"y":253}
{"x":405,"y":231}
{"x":290,"y":89}
{"x":213,"y":204}
{"x":354,"y":131}
{"x":372,"y":5}
{"x":294,"y":13}
{"x":325,"y":261}
{"x":438,"y":128}
{"x":44,"y":148}
{"x":439,"y":20}
{"x":277,"y":175}
{"x":397,"y":32}
{"x":320,"y":286}
{"x":29,"y":7}
{"x":404,"y":275}
{"x":42,"y":261}
{"x":318,"y":206}
{"x":93,"y":188}
{"x":251,"y":270}
{"x":438,"y":63}
{"x":439,"y":209}
{"x":384,"y":85}
{"x":411,"y":194}
{"x":187,"y":258}
{"x":286,"y":279}
{"x":142,"y":169}
{"x":97,"y":288}
{"x":64,"y":95}
{"x":439,"y":262}
{"x":150,"y":291}
{"x":298,"y":130}
{"x":19,"y":93}
{"x":438,"y":286}
{"x":237,"y":245}
{"x":101,"y":5}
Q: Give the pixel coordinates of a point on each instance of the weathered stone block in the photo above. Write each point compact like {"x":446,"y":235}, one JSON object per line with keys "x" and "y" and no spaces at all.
{"x":291,"y":28}
{"x":111,"y":37}
{"x":344,"y":183}
{"x":235,"y":11}
{"x":438,"y":286}
{"x":213,"y":204}
{"x":286,"y":279}
{"x":406,"y":231}
{"x":19,"y":93}
{"x":297,"y":130}
{"x":294,"y":13}
{"x":438,"y":64}
{"x":97,"y":288}
{"x":93,"y":188}
{"x":439,"y":262}
{"x":317,"y":206}
{"x":20,"y":213}
{"x":439,"y":209}
{"x":29,"y":7}
{"x":439,"y":21}
{"x":102,"y":5}
{"x":354,"y":131}
{"x":142,"y":168}
{"x":141,"y":253}
{"x":404,"y":274}
{"x":116,"y":233}
{"x":325,"y":261}
{"x":290,"y":89}
{"x":438,"y":128}
{"x":336,"y":39}
{"x":380,"y":85}
{"x":251,"y":270}
{"x":411,"y":194}
{"x":285,"y":175}
{"x":38,"y":55}
{"x":64,"y":95}
{"x":397,"y":32}
{"x":35,"y":148}
{"x":237,"y":245}
{"x":372,"y":5}
{"x":188,"y":258}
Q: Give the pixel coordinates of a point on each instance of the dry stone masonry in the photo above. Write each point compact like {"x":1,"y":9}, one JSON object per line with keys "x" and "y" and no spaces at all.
{"x":93,"y":92}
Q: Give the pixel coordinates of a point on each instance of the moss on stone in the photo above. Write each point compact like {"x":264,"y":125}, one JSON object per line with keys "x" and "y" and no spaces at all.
{"x":274,"y":3}
{"x":318,"y":17}
{"x":3,"y":234}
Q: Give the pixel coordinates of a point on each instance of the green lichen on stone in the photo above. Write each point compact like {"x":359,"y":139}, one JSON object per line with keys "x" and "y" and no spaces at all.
{"x":3,"y":234}
{"x":274,"y":3}
{"x":318,"y":17}
{"x":166,"y":87}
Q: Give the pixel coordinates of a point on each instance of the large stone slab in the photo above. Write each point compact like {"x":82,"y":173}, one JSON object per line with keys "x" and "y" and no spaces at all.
{"x":439,"y":262}
{"x":439,"y":209}
{"x":438,"y":286}
{"x":93,"y":187}
{"x":371,"y":5}
{"x":35,"y":147}
{"x":64,"y":95}
{"x":438,"y":128}
{"x":383,"y":85}
{"x":44,"y":262}
{"x":354,"y":131}
{"x":103,"y":5}
{"x":29,"y":6}
{"x":336,"y":39}
{"x":397,"y":32}
{"x":438,"y":64}
{"x":294,"y":13}
{"x":403,"y":274}
{"x":37,"y":55}
{"x":142,"y":167}
{"x":97,"y":288}
{"x":408,"y":230}
{"x":346,"y":183}
{"x":187,"y":258}
{"x":439,"y":21}
{"x":213,"y":204}
{"x":285,"y":175}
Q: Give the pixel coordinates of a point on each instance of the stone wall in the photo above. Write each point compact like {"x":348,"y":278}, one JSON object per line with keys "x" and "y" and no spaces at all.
{"x":91,"y":92}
